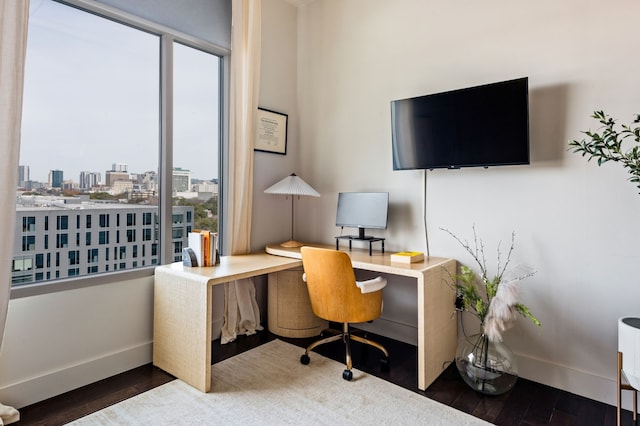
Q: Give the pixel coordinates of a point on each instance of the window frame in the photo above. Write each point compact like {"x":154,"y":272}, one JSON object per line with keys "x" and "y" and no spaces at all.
{"x":165,"y":247}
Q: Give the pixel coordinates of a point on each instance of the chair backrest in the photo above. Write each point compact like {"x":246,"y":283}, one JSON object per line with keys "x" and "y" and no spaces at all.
{"x":332,"y":287}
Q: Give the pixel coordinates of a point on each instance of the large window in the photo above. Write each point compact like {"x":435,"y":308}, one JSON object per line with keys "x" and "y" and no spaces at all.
{"x":195,"y":92}
{"x":94,"y":109}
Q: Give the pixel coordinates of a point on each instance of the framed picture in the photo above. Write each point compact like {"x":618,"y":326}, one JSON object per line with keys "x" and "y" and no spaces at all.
{"x":271,"y":132}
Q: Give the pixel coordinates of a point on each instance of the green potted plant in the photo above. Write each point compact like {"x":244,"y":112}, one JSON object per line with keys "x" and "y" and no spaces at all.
{"x":606,"y":144}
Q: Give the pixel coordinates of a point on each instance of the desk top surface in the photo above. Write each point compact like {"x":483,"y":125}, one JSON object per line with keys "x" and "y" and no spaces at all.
{"x":233,"y":267}
{"x":278,"y":258}
{"x":377,"y":262}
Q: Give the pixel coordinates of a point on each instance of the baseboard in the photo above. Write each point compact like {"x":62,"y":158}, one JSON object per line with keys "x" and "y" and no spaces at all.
{"x":572,"y":380}
{"x":54,"y":383}
{"x":558,"y":376}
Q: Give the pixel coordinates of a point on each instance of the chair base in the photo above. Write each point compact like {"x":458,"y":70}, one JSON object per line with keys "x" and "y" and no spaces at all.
{"x":346,"y":337}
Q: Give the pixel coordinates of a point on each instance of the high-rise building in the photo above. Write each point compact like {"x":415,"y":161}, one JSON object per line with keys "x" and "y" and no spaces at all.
{"x":23,"y":176}
{"x":181,"y":180}
{"x":112,"y":176}
{"x":55,"y":178}
{"x":119,"y":167}
{"x":89,"y":180}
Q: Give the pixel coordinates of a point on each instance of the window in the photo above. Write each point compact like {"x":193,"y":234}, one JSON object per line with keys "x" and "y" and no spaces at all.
{"x":22,"y":264}
{"x":28,"y":224}
{"x":192,"y":70}
{"x":92,"y":255}
{"x":103,"y":237}
{"x":62,"y":240}
{"x":28,"y":243}
{"x":39,"y":261}
{"x":74,"y":257}
{"x":92,"y":140}
{"x":62,"y":222}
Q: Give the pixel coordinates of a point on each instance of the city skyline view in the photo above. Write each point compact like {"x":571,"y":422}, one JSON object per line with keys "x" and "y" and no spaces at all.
{"x":91,"y":98}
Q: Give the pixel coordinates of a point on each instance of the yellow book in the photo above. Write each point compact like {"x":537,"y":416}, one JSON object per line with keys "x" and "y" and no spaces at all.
{"x":407,"y":257}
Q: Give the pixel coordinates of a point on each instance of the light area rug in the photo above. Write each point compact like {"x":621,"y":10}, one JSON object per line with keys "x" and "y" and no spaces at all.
{"x":269,"y":386}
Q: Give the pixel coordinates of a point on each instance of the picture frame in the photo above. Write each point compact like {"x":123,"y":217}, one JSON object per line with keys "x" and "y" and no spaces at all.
{"x":271,"y":132}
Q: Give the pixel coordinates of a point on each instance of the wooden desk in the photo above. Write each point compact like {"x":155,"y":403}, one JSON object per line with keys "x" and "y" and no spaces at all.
{"x":183,"y":305}
{"x":182,"y":311}
{"x":437,"y":328}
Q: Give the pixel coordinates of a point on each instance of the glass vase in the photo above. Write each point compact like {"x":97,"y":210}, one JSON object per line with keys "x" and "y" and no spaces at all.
{"x":488,"y":367}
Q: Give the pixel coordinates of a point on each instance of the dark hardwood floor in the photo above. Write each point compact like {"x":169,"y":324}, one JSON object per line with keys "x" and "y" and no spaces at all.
{"x":528,"y":403}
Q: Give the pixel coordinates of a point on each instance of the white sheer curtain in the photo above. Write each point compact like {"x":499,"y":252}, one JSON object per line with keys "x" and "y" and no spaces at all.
{"x":241,"y":312}
{"x":14,"y":17}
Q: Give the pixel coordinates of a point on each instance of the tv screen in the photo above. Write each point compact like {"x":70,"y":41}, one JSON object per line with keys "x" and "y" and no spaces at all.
{"x":362,"y":210}
{"x":478,"y":126}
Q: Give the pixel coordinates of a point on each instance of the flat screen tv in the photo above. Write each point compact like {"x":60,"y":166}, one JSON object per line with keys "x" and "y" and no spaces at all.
{"x":478,"y":126}
{"x":362,"y":210}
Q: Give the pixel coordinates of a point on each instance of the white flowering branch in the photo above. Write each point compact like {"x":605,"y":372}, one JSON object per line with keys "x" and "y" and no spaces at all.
{"x":499,"y":305}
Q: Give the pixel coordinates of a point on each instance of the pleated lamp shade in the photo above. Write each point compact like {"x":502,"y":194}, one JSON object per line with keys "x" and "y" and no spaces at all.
{"x":292,"y":185}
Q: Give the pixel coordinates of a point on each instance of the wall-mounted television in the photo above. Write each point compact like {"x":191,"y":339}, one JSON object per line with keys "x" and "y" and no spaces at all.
{"x":362,"y":210}
{"x":477,"y":126}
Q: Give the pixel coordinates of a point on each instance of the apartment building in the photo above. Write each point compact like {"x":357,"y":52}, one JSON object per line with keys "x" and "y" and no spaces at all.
{"x":65,"y":239}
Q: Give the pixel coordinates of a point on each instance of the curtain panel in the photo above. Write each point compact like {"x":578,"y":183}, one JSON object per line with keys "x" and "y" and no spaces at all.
{"x":241,"y":312}
{"x":14,"y":17}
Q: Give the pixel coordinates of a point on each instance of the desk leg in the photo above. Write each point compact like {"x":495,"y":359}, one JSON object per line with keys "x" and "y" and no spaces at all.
{"x":182,"y":328}
{"x":437,"y":328}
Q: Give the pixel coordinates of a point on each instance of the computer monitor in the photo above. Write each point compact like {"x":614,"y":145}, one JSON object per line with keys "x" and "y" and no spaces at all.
{"x":362,"y":210}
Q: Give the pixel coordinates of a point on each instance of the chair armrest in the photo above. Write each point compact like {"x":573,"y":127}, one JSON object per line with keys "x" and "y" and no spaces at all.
{"x":369,"y":286}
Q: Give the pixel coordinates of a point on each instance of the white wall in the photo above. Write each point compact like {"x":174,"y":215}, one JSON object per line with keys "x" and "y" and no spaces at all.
{"x":576,"y":223}
{"x":278,"y":92}
{"x":61,"y":341}
{"x":348,"y":59}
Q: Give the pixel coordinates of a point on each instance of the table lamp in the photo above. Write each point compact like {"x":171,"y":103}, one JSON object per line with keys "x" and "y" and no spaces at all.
{"x":290,"y":186}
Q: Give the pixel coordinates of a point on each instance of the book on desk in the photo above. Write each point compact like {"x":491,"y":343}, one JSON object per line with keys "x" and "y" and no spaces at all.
{"x":407,"y":257}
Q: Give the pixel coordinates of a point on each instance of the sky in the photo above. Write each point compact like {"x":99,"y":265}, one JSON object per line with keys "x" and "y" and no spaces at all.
{"x":91,"y":98}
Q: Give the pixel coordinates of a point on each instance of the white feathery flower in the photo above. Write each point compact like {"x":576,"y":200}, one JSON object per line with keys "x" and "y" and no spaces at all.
{"x":501,"y":311}
{"x":492,"y":330}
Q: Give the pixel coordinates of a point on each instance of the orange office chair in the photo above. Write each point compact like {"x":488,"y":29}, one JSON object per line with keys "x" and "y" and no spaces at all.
{"x":336,"y":296}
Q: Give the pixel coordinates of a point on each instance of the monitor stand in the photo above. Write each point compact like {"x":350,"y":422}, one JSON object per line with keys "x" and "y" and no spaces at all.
{"x":360,"y":237}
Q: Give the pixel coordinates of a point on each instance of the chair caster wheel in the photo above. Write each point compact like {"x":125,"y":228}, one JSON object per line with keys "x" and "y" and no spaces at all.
{"x":304,"y":359}
{"x":347,"y":375}
{"x":384,"y":364}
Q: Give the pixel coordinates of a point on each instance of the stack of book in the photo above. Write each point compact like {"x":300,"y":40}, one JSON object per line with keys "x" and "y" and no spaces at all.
{"x":205,"y":246}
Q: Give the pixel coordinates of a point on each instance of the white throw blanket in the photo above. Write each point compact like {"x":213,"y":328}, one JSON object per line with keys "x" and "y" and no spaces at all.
{"x":241,"y":311}
{"x":8,"y":415}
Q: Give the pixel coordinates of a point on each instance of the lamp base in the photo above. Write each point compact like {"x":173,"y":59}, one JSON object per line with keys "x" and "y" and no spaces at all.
{"x":291,"y":243}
